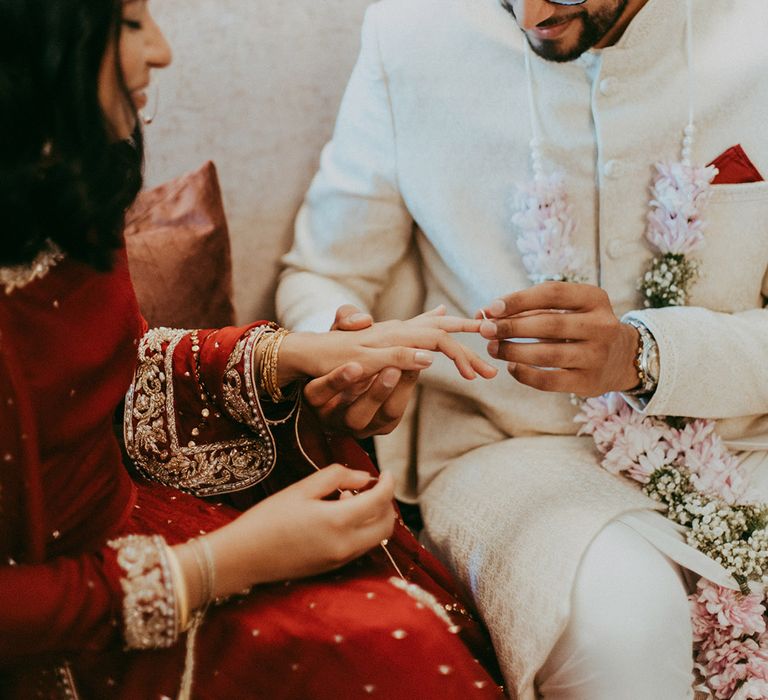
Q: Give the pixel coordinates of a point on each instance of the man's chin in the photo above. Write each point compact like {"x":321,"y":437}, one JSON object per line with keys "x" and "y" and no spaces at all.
{"x":558,"y":50}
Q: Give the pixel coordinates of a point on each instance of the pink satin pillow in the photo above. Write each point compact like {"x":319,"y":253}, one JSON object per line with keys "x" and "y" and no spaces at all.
{"x":179,"y":255}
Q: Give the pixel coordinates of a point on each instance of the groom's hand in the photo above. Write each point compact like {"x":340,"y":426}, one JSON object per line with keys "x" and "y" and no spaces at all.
{"x":348,"y":401}
{"x":580,"y":345}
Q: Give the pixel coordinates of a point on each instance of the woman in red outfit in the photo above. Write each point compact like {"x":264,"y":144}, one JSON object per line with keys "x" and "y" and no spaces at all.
{"x":113,"y":586}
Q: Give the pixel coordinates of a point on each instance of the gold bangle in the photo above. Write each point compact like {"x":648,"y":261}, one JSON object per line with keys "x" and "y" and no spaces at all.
{"x":269,"y":381}
{"x":210,"y":566}
{"x":202,"y":553}
{"x":180,"y":586}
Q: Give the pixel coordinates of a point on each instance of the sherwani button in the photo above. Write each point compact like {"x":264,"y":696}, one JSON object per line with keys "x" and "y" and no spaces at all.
{"x":615,"y":249}
{"x":608,"y":86}
{"x":613,"y":168}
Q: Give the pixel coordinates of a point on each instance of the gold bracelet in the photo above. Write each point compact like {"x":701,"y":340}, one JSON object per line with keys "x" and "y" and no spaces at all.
{"x":280,"y":336}
{"x":202,"y":553}
{"x":268,"y":362}
{"x":180,"y":586}
{"x":210,"y":566}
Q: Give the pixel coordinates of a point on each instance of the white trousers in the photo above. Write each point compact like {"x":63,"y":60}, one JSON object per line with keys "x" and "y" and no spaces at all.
{"x":629,"y":635}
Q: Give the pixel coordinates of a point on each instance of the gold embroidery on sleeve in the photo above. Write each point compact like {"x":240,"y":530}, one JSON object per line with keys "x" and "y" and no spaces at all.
{"x":149,"y":606}
{"x":151,"y":434}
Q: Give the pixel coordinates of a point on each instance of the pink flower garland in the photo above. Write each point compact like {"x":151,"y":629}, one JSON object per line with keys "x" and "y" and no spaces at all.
{"x":675,"y":229}
{"x":682,"y":463}
{"x":544,"y":217}
{"x":639,"y":446}
{"x":729,"y":627}
{"x":678,"y":196}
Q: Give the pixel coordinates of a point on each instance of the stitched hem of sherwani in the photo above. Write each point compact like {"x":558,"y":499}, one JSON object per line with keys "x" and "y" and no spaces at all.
{"x":151,"y":435}
{"x":150,"y":618}
{"x":19,"y":276}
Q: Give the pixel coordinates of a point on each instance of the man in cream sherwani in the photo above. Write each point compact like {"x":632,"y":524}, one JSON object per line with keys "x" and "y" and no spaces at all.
{"x":578,"y":579}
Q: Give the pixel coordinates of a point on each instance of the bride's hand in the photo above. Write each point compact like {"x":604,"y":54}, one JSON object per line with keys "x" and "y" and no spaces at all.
{"x":406,"y":345}
{"x":296,"y":532}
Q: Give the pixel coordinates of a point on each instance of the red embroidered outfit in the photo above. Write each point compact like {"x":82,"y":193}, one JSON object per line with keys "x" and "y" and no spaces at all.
{"x":82,"y":544}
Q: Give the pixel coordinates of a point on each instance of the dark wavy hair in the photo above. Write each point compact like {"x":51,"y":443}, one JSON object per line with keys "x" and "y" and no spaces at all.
{"x":62,"y":176}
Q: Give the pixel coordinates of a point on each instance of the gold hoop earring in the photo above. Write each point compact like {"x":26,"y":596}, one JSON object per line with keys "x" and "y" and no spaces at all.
{"x":148,"y":114}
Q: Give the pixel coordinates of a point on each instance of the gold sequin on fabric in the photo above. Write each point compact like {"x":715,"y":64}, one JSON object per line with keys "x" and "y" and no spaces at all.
{"x":19,"y":276}
{"x":151,"y":434}
{"x":149,"y":604}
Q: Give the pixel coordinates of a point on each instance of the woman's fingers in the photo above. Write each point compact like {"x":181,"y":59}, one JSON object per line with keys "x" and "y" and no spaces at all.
{"x":403,"y":358}
{"x":418,"y":337}
{"x":332,"y":479}
{"x":371,"y":503}
{"x":469,"y":363}
{"x":450,"y":324}
{"x":401,"y":345}
{"x":368,"y":517}
{"x":412,"y":353}
{"x":386,"y":416}
{"x":362,"y":411}
{"x":373,"y":533}
{"x":343,"y":379}
{"x":439,"y":310}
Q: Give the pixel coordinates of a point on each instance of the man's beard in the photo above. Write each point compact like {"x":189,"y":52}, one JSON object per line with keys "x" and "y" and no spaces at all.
{"x":594,"y":27}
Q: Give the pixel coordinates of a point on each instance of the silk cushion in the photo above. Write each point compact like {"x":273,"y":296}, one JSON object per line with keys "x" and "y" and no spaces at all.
{"x":179,"y":253}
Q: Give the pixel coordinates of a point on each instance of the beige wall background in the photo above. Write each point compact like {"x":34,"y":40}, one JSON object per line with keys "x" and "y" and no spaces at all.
{"x":255,"y":86}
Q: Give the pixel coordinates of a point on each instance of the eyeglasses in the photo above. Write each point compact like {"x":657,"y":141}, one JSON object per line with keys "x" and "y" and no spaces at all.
{"x":507,"y":3}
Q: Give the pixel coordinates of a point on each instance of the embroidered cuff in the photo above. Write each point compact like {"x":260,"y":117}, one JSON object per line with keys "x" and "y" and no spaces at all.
{"x":150,"y":608}
{"x":220,"y":442}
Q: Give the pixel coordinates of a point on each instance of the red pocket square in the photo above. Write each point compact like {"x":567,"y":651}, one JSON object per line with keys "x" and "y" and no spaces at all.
{"x":735,"y":168}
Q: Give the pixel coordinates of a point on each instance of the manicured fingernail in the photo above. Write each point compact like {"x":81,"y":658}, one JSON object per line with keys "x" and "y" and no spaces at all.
{"x":488,"y":329}
{"x":423,"y":359}
{"x":481,"y":314}
{"x":497,"y":307}
{"x":493,"y":347}
{"x":354,"y":318}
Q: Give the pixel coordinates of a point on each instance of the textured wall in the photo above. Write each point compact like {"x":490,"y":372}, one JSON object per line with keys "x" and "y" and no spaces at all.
{"x":255,"y":86}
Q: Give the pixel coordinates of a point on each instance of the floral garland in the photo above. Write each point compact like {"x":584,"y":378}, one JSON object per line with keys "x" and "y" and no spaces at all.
{"x":675,"y":230}
{"x":681,"y":463}
{"x":545,"y":219}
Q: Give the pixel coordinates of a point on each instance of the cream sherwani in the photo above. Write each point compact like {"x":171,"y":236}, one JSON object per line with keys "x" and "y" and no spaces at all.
{"x":431,"y":139}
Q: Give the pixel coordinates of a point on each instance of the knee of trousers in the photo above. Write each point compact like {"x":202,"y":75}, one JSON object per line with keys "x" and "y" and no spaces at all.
{"x":629,"y":602}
